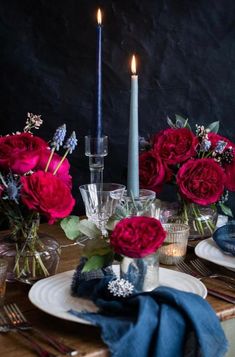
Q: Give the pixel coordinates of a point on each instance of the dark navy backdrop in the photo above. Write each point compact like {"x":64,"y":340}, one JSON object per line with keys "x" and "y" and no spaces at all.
{"x":186,"y":52}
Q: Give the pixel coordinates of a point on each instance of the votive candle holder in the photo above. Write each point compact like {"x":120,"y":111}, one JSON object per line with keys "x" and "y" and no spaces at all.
{"x":174,"y":247}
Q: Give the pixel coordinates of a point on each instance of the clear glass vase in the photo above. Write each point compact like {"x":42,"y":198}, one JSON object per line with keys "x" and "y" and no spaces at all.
{"x":140,"y":206}
{"x":31,"y":256}
{"x":201,"y":220}
{"x":142,"y":273}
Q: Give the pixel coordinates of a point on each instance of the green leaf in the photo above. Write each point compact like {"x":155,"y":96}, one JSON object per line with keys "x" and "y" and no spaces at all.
{"x":180,"y":121}
{"x":89,"y":229}
{"x":170,"y":123}
{"x":213,"y":127}
{"x":226,"y":210}
{"x":93,"y":263}
{"x":112,"y":223}
{"x":97,"y":262}
{"x":120,"y":212}
{"x":70,"y":226}
{"x":96,"y":247}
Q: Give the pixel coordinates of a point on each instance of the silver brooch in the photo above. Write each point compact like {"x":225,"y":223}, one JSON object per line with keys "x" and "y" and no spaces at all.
{"x":120,"y":287}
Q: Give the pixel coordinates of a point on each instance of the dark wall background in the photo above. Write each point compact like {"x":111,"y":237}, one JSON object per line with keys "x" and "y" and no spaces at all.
{"x":186,"y":61}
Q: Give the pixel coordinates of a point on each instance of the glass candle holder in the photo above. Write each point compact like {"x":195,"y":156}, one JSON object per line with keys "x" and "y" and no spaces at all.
{"x":174,"y":247}
{"x":142,"y":273}
{"x":138,"y":206}
{"x":96,"y":148}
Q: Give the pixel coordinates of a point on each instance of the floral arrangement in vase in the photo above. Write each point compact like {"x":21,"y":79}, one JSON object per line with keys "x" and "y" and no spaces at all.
{"x":34,"y":181}
{"x":136,"y":240}
{"x":130,"y":238}
{"x":201,"y":164}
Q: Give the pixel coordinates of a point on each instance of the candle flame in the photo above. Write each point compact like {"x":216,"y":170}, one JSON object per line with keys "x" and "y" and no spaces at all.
{"x":133,"y":65}
{"x":99,"y":17}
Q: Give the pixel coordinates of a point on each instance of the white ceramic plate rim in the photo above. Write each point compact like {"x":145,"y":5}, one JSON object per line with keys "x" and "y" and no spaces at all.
{"x":76,"y":303}
{"x":208,"y":249}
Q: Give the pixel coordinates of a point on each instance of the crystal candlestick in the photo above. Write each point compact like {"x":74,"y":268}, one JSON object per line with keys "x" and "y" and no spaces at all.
{"x":96,"y":148}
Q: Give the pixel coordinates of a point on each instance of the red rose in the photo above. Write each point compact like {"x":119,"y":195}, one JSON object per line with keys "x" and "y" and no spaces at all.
{"x":20,"y":153}
{"x":153,"y":173}
{"x":137,"y":237}
{"x":214,"y":138}
{"x":2,"y":188}
{"x":47,"y":194}
{"x":229,"y":168}
{"x":230,"y":175}
{"x":201,"y":181}
{"x":62,"y":173}
{"x":175,"y":145}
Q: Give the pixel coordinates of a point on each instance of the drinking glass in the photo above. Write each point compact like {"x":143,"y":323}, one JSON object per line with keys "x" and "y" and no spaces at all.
{"x":100,"y":201}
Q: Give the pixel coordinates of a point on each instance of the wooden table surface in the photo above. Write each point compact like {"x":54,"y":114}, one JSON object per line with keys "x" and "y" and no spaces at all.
{"x":83,"y":337}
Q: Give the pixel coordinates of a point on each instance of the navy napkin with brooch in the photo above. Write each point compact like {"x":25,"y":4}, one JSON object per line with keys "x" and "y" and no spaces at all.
{"x":162,"y":323}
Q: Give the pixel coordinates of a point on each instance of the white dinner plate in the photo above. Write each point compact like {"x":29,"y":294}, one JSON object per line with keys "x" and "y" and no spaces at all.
{"x":208,"y":249}
{"x":52,"y":295}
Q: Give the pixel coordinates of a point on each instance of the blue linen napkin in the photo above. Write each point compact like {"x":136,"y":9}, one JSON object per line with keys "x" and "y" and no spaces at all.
{"x":225,"y":237}
{"x":162,"y":323}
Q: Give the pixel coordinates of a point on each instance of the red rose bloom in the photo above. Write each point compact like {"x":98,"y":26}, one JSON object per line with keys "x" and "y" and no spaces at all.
{"x":137,"y":237}
{"x":20,"y":153}
{"x":175,"y":145}
{"x":214,"y":138}
{"x":1,"y":190}
{"x":201,"y":181}
{"x":228,"y":168}
{"x":230,"y":174}
{"x":62,"y":173}
{"x":47,"y":194}
{"x":153,"y":173}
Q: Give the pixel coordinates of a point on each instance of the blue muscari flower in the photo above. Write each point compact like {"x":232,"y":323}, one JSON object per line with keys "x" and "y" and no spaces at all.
{"x":58,"y":137}
{"x":220,"y":146}
{"x":71,"y":142}
{"x":205,"y":145}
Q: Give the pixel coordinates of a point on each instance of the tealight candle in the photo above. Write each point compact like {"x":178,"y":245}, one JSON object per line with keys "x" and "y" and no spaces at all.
{"x":174,"y":247}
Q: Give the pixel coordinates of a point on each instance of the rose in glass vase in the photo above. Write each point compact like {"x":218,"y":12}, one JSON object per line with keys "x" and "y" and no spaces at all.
{"x":137,"y":240}
{"x":35,"y":181}
{"x":202,"y":167}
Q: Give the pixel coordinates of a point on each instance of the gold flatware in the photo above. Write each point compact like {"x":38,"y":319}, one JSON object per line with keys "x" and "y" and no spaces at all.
{"x":183,"y":267}
{"x":206,"y":272}
{"x":19,"y":321}
{"x":8,"y":327}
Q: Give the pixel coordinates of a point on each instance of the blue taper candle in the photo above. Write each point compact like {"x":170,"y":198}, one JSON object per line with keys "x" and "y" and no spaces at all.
{"x":99,"y":124}
{"x":133,"y":144}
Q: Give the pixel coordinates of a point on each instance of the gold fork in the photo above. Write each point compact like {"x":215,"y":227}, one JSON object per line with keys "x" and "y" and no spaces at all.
{"x":5,"y":327}
{"x":206,"y":272}
{"x":19,"y":321}
{"x":183,"y":267}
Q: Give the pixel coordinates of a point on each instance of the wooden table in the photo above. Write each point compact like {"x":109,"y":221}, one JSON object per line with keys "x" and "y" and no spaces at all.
{"x":83,"y":337}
